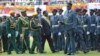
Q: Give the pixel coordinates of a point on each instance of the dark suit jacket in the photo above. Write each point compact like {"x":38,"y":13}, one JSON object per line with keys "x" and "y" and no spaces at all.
{"x":45,"y":27}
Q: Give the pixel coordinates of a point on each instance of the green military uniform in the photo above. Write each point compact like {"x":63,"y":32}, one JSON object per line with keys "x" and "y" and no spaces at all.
{"x":35,"y":28}
{"x":11,"y":31}
{"x":23,"y":29}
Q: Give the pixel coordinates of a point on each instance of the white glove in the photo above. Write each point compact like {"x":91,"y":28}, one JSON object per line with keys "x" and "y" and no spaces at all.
{"x":88,"y":32}
{"x":39,"y":24}
{"x":55,"y":26}
{"x":21,"y":35}
{"x":94,"y":33}
{"x":59,"y":33}
{"x":58,"y":22}
{"x":17,"y":33}
{"x":9,"y":35}
{"x":84,"y":25}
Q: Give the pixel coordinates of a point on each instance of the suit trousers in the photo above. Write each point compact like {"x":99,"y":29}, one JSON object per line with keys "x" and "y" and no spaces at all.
{"x":50,"y":41}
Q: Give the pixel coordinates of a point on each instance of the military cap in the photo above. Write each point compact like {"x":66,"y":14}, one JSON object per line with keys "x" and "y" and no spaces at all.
{"x":92,"y":10}
{"x":69,"y":3}
{"x":11,"y":12}
{"x":38,"y":9}
{"x":78,"y":10}
{"x":54,"y":10}
{"x":60,"y":10}
{"x":23,"y":11}
{"x":34,"y":14}
{"x":84,"y":10}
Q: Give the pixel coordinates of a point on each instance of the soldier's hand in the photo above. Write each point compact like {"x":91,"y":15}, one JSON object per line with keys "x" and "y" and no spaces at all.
{"x":94,"y":33}
{"x":39,"y":25}
{"x":85,"y":25}
{"x":58,"y":22}
{"x":88,"y":32}
{"x":59,"y":34}
{"x":17,"y":33}
{"x":9,"y":35}
{"x":21,"y":35}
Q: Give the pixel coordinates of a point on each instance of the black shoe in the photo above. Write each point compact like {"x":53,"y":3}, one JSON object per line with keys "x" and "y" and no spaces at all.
{"x":19,"y":52}
{"x":65,"y":52}
{"x":23,"y":52}
{"x":70,"y":54}
{"x":9,"y":52}
{"x":31,"y":52}
{"x":54,"y":51}
{"x":43,"y":52}
{"x":85,"y":52}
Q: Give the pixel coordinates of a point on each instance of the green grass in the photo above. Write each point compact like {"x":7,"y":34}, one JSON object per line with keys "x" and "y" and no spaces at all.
{"x":49,"y":53}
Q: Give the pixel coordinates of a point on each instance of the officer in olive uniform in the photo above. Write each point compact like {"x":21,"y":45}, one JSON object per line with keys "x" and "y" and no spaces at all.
{"x":11,"y":26}
{"x":23,"y":30}
{"x":35,"y":27}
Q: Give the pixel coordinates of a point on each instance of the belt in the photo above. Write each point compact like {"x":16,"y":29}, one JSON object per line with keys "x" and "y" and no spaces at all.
{"x":93,"y":25}
{"x":98,"y":26}
{"x":55,"y":26}
{"x":24,"y":27}
{"x":80,"y":26}
{"x":12,"y":27}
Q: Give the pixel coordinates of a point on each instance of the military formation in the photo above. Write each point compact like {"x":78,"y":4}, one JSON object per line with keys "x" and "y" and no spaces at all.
{"x":70,"y":32}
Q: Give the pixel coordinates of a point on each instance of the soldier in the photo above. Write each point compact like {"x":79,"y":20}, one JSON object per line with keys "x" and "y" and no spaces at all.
{"x":54,"y":29}
{"x":98,"y":29}
{"x":23,"y":30}
{"x":18,"y":42}
{"x":61,"y":30}
{"x":35,"y":27}
{"x":11,"y":32}
{"x":80,"y":30}
{"x":92,"y":29}
{"x":70,"y":26}
{"x":4,"y":34}
{"x":46,"y":31}
{"x":38,"y":10}
{"x":86,"y":28}
{"x":1,"y":44}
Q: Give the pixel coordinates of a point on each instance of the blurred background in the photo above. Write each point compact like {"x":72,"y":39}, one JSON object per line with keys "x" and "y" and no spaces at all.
{"x":45,"y":2}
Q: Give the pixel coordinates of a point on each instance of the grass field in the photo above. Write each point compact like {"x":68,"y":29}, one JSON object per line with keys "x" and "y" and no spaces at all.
{"x":49,"y":53}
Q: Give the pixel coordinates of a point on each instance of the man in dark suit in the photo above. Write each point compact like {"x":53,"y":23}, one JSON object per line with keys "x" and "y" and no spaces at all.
{"x":46,"y":31}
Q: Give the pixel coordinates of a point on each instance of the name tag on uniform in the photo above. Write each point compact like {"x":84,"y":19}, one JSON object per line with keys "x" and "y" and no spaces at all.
{"x":93,"y":25}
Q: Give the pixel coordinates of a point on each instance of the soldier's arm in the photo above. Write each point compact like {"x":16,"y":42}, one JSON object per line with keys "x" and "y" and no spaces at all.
{"x":8,"y":25}
{"x":19,"y":26}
